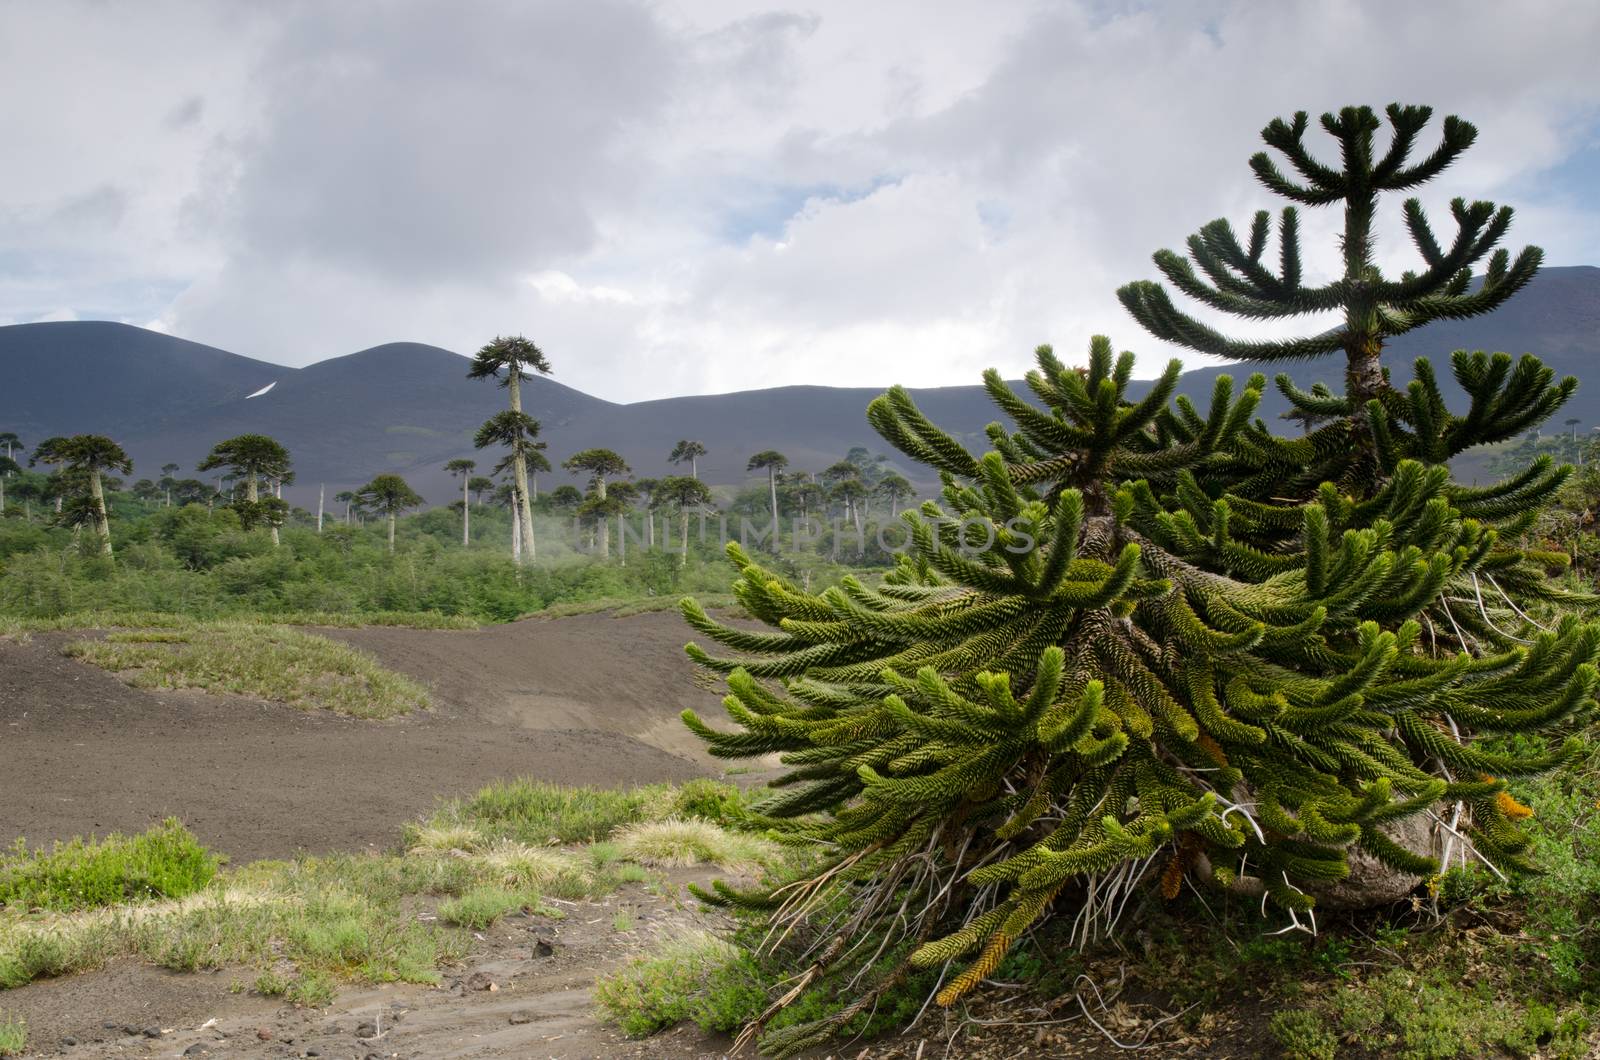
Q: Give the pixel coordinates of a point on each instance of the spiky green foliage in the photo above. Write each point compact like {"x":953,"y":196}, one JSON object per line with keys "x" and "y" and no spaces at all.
{"x":1137,"y":631}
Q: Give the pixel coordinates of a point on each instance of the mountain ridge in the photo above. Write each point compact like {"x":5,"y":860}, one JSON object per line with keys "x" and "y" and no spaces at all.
{"x":408,"y":407}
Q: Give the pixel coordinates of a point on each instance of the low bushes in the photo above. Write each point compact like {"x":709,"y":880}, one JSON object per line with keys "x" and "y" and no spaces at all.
{"x":164,"y":862}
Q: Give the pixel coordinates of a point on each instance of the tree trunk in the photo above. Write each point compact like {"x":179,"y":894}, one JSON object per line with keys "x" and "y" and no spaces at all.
{"x":622,"y":540}
{"x":519,"y":466}
{"x":391,"y":533}
{"x":683,"y":555}
{"x":466,"y":514}
{"x":694,"y":468}
{"x":102,"y":524}
{"x":321,"y":493}
{"x":516,"y":536}
{"x":533,"y":482}
{"x":772,"y":487}
{"x":605,"y":524}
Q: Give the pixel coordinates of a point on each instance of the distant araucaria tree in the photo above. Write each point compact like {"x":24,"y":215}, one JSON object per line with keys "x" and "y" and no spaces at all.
{"x":253,"y":457}
{"x":772,"y":462}
{"x":688,"y":451}
{"x":508,"y":360}
{"x":390,"y":495}
{"x":682,"y":495}
{"x":1143,"y":637}
{"x":462,"y":468}
{"x":600,"y":465}
{"x":85,"y":459}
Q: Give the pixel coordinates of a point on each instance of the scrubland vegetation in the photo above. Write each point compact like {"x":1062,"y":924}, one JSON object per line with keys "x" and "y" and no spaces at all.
{"x":306,"y":925}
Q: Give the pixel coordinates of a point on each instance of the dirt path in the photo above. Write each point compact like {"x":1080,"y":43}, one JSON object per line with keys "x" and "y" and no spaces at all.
{"x":590,"y":700}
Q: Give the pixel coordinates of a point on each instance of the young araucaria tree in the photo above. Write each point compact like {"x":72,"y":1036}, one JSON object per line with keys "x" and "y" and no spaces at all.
{"x":1139,"y":634}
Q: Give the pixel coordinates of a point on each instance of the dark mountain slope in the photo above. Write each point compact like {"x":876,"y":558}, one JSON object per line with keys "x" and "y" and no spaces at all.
{"x":393,"y":407}
{"x":96,"y":376}
{"x":408,"y":407}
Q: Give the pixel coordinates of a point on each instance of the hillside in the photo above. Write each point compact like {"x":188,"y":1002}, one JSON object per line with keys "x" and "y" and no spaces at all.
{"x":408,"y":407}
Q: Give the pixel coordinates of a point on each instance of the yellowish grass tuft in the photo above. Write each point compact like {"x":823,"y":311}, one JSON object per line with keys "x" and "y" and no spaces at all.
{"x":693,"y":842}
{"x":521,"y":865}
{"x":446,"y":837}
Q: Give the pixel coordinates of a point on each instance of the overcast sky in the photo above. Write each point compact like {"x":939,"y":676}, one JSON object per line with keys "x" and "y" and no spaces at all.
{"x":694,"y":196}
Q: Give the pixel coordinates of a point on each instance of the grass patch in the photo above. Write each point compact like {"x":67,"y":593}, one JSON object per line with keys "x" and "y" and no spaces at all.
{"x":694,"y":842}
{"x":269,"y":662}
{"x":164,"y":862}
{"x":13,"y":1036}
{"x":696,"y":976}
{"x":482,"y":906}
{"x":307,"y":924}
{"x":536,"y":813}
{"x":338,"y":918}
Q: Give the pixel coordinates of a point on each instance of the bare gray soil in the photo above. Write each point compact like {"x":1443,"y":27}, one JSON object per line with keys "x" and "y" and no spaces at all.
{"x":586,"y":700}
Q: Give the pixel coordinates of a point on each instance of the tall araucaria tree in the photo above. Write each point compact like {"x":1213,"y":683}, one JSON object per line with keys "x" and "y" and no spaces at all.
{"x":772,"y":462}
{"x":688,"y":451}
{"x":600,"y":465}
{"x":509,"y":360}
{"x":1140,"y":634}
{"x":390,"y":495}
{"x":462,"y":468}
{"x":86,"y":459}
{"x":253,"y":457}
{"x":518,"y":434}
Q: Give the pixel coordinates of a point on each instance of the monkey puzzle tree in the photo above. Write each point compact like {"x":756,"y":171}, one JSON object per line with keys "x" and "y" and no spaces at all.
{"x":253,"y":457}
{"x":85,"y":459}
{"x":479,"y":485}
{"x":681,"y":494}
{"x":1142,"y":633}
{"x":518,"y":433}
{"x":895,"y":489}
{"x":599,"y":465}
{"x":688,"y":452}
{"x":462,"y":468}
{"x":772,"y":462}
{"x":508,"y":360}
{"x":167,"y":480}
{"x":8,"y":467}
{"x":348,"y":499}
{"x":389,"y":495}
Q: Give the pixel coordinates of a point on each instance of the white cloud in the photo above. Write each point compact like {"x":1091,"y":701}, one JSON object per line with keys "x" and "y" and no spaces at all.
{"x":696,"y":195}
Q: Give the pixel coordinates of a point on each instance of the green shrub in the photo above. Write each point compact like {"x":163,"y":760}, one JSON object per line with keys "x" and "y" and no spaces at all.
{"x":13,"y":1037}
{"x":1304,"y":1036}
{"x":482,"y":906}
{"x":164,"y":862}
{"x":714,"y":800}
{"x":535,"y":812}
{"x":696,"y":977}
